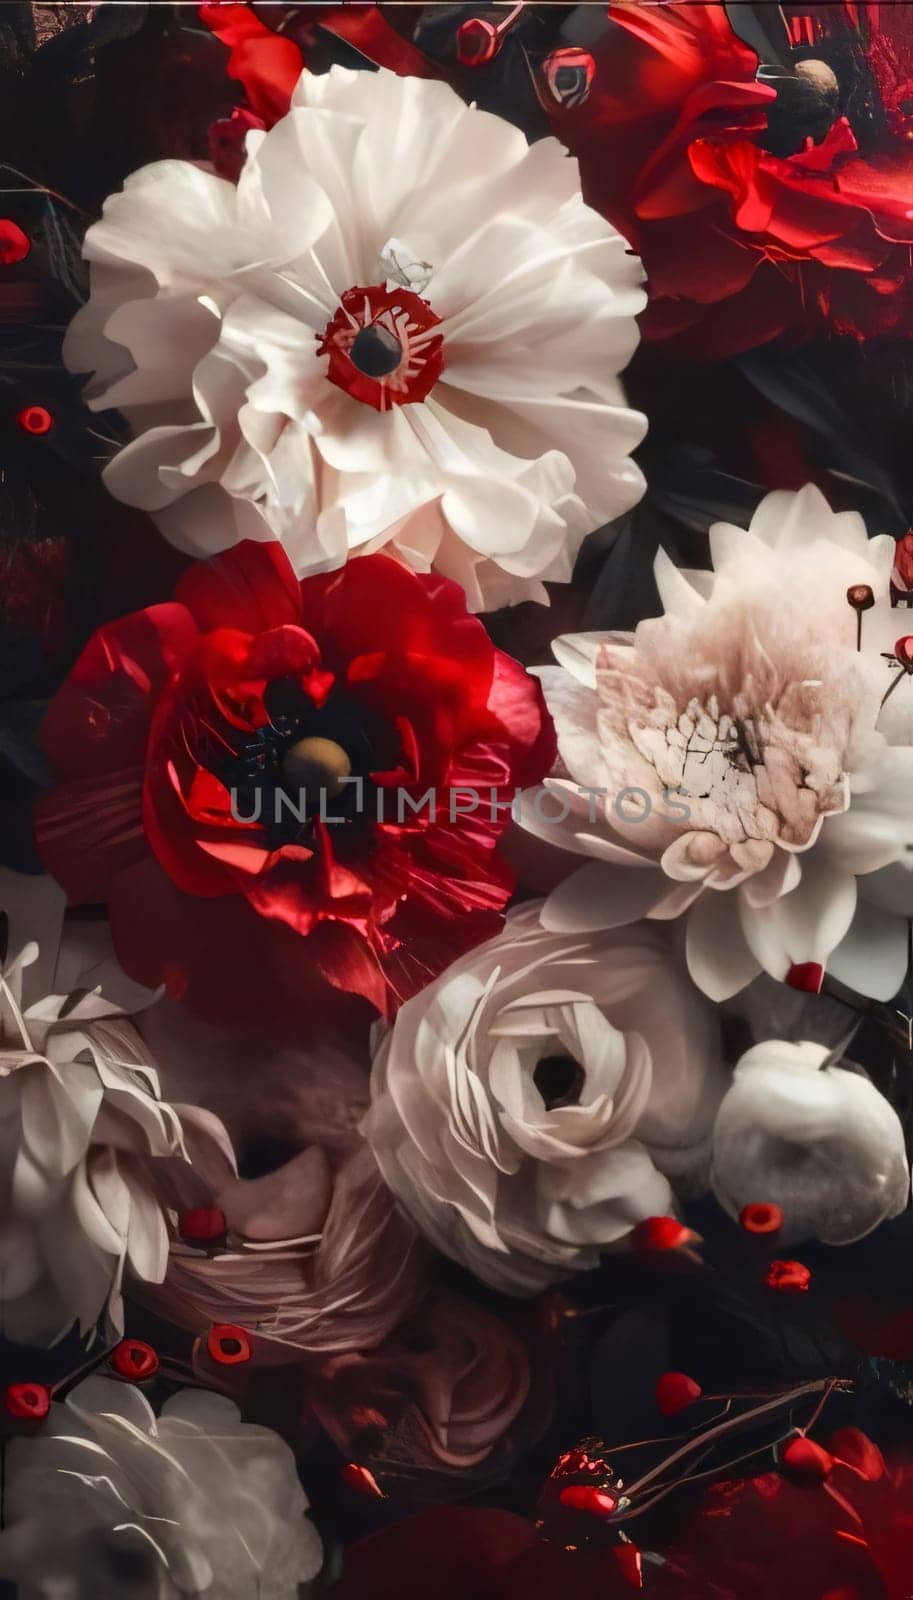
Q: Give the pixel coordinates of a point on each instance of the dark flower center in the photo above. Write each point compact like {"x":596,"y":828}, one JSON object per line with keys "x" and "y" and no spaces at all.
{"x":376,"y":351}
{"x":286,"y":774}
{"x":559,"y":1080}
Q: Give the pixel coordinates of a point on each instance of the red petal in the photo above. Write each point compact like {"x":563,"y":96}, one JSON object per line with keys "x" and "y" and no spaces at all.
{"x":855,"y":1449}
{"x":251,"y":587}
{"x":266,"y":63}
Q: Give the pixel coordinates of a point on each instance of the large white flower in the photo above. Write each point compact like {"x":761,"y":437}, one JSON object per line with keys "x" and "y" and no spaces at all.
{"x":110,"y":1500}
{"x":747,"y":758}
{"x":800,"y":1131}
{"x":81,"y":1120}
{"x":400,"y":305}
{"x":527,"y":1107}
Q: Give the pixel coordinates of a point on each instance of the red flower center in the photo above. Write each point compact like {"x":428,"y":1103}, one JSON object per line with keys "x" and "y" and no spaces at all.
{"x":381,"y":347}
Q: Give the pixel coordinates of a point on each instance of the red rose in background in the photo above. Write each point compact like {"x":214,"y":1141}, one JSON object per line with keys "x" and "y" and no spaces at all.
{"x":190,"y":737}
{"x":742,"y":245}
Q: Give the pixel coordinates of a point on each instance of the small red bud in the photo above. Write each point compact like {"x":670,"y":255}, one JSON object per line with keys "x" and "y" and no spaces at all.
{"x":675,"y":1391}
{"x":805,"y":1461}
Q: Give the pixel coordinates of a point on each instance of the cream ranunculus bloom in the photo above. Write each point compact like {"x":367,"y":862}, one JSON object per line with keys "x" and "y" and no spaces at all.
{"x":110,"y":1500}
{"x":745,"y":760}
{"x":531,"y":1105}
{"x":401,"y":325}
{"x":81,"y":1123}
{"x":800,"y":1131}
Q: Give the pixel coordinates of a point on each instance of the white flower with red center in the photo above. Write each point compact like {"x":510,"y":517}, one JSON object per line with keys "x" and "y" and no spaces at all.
{"x":402,"y":325}
{"x":746,"y":759}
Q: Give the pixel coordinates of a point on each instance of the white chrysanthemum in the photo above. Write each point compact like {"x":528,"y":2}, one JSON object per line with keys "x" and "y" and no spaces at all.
{"x":80,"y":1119}
{"x":528,"y":1106}
{"x":110,"y":1500}
{"x":815,"y":1139}
{"x":400,"y":305}
{"x":743,"y":760}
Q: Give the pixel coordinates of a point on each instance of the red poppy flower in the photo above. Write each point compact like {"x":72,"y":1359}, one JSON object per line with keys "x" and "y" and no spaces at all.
{"x":266,"y":779}
{"x":742,"y":244}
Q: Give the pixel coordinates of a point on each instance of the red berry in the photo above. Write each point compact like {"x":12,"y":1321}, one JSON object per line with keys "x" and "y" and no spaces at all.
{"x":35,"y":420}
{"x":133,"y":1359}
{"x":761,"y":1217}
{"x":661,"y":1233}
{"x":790,"y":1277}
{"x":675,"y":1391}
{"x":29,"y":1402}
{"x":591,"y":1501}
{"x":202,"y":1224}
{"x":807,"y":976}
{"x":228,"y":1345}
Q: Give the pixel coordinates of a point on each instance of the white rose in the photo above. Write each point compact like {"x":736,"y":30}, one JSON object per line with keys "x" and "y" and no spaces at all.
{"x":527,"y":1107}
{"x":110,"y":1500}
{"x":813,"y":1138}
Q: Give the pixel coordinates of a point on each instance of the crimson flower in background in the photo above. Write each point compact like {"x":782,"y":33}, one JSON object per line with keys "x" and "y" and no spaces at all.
{"x":192,"y":742}
{"x":748,"y":233}
{"x":840,"y":1535}
{"x":268,"y":64}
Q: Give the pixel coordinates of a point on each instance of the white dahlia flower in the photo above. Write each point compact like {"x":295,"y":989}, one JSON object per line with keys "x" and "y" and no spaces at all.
{"x":81,"y":1121}
{"x":400,"y":308}
{"x":529,"y":1107}
{"x":801,"y":1132}
{"x":747,"y":758}
{"x":109,"y":1500}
